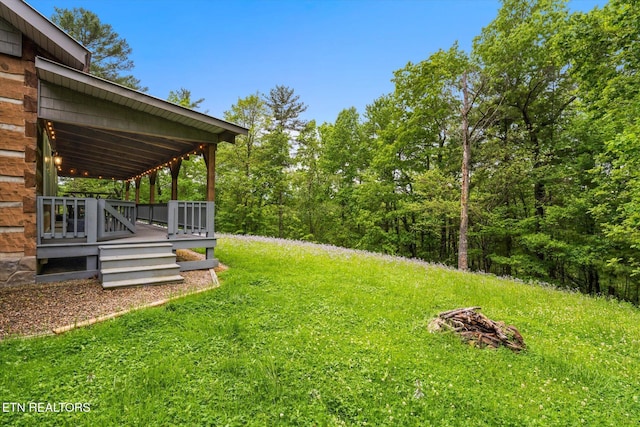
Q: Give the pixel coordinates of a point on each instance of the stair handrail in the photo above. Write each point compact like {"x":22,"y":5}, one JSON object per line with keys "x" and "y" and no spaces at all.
{"x":116,"y":219}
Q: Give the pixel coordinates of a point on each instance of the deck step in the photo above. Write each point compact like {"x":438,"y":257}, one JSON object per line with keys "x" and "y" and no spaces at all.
{"x":135,"y":249}
{"x":116,"y":261}
{"x":138,"y":264}
{"x":140,"y":282}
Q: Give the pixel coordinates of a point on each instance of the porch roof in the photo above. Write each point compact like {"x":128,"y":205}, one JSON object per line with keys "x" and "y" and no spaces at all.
{"x":102,"y":129}
{"x":45,"y":33}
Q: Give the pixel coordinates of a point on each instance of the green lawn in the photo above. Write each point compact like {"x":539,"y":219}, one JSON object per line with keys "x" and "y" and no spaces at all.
{"x":305,"y":335}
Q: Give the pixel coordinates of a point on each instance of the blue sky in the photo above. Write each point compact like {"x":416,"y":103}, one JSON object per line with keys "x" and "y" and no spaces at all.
{"x":335,"y":54}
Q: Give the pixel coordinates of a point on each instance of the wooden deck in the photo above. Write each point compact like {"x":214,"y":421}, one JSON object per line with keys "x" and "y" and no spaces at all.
{"x":148,"y":233}
{"x":189,"y":225}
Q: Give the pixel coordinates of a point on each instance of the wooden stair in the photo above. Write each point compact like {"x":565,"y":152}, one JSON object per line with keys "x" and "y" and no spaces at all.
{"x":138,"y":264}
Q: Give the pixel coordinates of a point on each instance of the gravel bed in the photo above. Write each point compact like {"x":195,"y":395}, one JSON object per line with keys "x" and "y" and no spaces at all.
{"x":41,"y":308}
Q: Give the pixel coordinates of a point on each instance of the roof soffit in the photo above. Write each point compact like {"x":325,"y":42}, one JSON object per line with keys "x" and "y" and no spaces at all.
{"x":104,"y":129}
{"x":45,"y":34}
{"x":83,"y":84}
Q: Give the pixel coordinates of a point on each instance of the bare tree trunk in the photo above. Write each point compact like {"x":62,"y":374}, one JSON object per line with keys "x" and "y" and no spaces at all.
{"x":281,"y":215}
{"x":463,"y":261}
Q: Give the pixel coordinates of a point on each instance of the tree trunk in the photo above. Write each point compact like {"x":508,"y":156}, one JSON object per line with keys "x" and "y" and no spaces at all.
{"x":281,"y":215}
{"x":463,"y":262}
{"x":443,"y":239}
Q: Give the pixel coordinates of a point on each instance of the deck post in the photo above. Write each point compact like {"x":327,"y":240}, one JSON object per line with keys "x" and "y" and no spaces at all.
{"x":172,"y":218}
{"x":209,"y":153}
{"x":91,"y":229}
{"x":210,"y":212}
{"x":210,"y":160}
{"x":152,"y":186}
{"x":175,"y":171}
{"x":127,"y":187}
{"x":91,"y":219}
{"x":138,"y":180}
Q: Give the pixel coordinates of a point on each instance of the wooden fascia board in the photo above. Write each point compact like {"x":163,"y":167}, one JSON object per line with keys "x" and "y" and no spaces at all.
{"x":46,"y":34}
{"x":227,"y":137}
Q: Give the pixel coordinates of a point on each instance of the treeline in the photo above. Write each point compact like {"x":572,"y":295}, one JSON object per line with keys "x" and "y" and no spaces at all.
{"x":547,"y":103}
{"x":519,"y":158}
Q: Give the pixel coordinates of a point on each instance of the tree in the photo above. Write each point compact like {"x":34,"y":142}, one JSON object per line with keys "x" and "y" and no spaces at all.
{"x":518,"y":53}
{"x":310,"y":183}
{"x":110,"y":53}
{"x":285,"y":108}
{"x":427,"y":142}
{"x":435,"y":116}
{"x":478,"y":111}
{"x":463,"y":244}
{"x":182,"y":97}
{"x":242,"y":186}
{"x":345,"y":158}
{"x":602,"y":48}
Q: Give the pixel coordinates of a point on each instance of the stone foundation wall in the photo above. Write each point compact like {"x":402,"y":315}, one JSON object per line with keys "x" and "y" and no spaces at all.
{"x":18,"y":172}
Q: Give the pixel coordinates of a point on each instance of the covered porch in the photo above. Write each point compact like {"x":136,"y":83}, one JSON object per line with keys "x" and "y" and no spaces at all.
{"x":78,"y":228}
{"x":91,"y":128}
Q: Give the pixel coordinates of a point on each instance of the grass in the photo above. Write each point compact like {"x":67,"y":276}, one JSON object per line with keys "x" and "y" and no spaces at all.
{"x":301,"y":335}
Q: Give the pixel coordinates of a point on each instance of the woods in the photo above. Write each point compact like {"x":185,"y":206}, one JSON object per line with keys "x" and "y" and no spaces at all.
{"x":544,"y":112}
{"x":518,"y":158}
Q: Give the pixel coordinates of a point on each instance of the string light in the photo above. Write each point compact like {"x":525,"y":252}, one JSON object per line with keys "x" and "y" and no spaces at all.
{"x":51,"y":131}
{"x":168,"y":164}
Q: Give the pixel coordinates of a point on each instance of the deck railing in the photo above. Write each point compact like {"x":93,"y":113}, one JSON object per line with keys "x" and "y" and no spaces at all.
{"x":190,"y":218}
{"x":88,"y":219}
{"x":64,"y":217}
{"x":153,"y":213}
{"x":180,"y":217}
{"x":93,"y":220}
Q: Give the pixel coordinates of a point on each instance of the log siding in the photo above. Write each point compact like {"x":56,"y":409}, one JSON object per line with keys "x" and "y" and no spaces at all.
{"x":18,"y":156}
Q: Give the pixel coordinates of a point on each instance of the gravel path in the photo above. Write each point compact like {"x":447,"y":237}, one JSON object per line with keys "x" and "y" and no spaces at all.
{"x":41,"y":308}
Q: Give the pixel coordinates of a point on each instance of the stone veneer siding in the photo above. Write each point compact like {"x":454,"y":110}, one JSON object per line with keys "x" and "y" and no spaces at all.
{"x":18,"y":172}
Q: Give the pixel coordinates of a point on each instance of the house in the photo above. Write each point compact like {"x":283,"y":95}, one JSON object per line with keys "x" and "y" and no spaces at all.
{"x":56,"y":120}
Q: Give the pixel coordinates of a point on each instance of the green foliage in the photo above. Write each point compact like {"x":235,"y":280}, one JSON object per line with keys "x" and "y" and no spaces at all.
{"x":309,"y":335}
{"x":182,"y":97}
{"x":285,"y":108}
{"x":553,"y":135}
{"x":109,"y":52}
{"x":602,"y":49}
{"x":553,"y":129}
{"x":81,"y":187}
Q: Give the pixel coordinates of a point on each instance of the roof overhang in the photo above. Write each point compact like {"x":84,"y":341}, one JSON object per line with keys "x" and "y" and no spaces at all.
{"x":45,"y":34}
{"x":101,"y":129}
